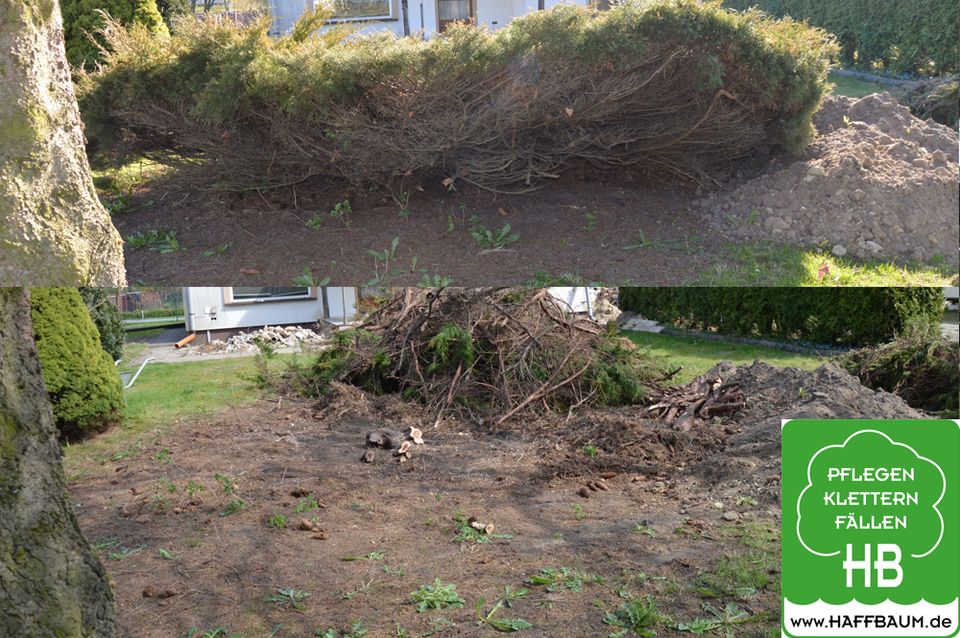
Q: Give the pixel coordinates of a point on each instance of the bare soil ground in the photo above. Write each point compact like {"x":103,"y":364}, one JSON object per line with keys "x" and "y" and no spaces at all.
{"x":878,"y":184}
{"x":690,"y":518}
{"x":615,"y":228}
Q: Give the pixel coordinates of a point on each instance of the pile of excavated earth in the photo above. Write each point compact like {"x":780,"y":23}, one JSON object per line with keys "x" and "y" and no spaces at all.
{"x":734,"y":447}
{"x":877,"y":182}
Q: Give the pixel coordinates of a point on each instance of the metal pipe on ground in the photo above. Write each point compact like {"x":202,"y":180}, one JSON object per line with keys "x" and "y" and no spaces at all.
{"x":139,"y":370}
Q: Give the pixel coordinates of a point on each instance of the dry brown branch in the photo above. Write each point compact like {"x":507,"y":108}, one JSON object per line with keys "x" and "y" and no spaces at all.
{"x":489,"y":353}
{"x":506,"y":130}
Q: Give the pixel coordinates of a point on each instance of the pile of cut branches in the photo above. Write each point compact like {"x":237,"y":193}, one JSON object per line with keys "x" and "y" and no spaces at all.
{"x":922,"y":367}
{"x":675,"y":86}
{"x":488,"y":354}
{"x":704,"y":397}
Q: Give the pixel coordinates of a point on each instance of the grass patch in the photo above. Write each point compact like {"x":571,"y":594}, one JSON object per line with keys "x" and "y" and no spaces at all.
{"x":698,"y":356}
{"x":736,"y":576}
{"x":288,"y":597}
{"x":377,"y":555}
{"x":765,"y":264}
{"x":758,"y":535}
{"x":113,"y":177}
{"x":636,"y":616}
{"x":562,"y":578}
{"x":116,"y":183}
{"x":436,"y":596}
{"x":720,"y":619}
{"x":852,"y":87}
{"x":165,"y":393}
{"x":356,"y":630}
{"x":131,"y":327}
{"x":505,"y":625}
{"x":143,"y":335}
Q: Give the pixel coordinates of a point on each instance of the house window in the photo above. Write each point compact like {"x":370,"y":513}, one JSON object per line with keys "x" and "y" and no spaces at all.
{"x":261,"y":294}
{"x":362,"y":9}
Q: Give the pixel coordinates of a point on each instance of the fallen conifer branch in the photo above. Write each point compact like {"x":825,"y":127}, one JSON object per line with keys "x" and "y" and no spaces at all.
{"x":677,"y":87}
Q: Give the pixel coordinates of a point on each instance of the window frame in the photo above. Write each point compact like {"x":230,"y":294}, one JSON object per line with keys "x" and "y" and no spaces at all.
{"x":230,"y":300}
{"x":393,"y":17}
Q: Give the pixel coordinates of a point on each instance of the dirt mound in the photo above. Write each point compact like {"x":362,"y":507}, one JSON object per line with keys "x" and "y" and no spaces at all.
{"x":878,"y":182}
{"x":829,"y":392}
{"x":745,"y":444}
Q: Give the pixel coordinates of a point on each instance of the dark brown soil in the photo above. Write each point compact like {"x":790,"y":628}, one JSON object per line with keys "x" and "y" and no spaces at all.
{"x":615,"y":226}
{"x":680,"y":507}
{"x":642,"y":231}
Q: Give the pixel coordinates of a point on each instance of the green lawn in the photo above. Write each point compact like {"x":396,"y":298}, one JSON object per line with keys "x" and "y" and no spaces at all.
{"x":767,"y":264}
{"x":112,"y":178}
{"x":699,"y":355}
{"x":165,"y":393}
{"x":852,"y":87}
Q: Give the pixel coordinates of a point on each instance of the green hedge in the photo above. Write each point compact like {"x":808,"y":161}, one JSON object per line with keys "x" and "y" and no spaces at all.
{"x":82,"y":381}
{"x":83,"y":20}
{"x":106,"y":316}
{"x":919,"y":36}
{"x":837,"y":316}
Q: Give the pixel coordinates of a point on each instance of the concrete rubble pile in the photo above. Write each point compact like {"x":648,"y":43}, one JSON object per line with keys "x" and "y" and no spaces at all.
{"x":276,"y":336}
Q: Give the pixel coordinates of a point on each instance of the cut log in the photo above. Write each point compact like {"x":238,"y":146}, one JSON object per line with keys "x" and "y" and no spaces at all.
{"x":689,"y":406}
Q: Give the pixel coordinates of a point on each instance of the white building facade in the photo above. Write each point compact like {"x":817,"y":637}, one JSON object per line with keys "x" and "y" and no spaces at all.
{"x":220,"y":309}
{"x":425,"y":18}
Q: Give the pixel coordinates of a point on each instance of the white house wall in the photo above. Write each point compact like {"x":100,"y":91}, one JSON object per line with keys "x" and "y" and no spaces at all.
{"x":207,"y":309}
{"x":341,"y":304}
{"x":494,"y":14}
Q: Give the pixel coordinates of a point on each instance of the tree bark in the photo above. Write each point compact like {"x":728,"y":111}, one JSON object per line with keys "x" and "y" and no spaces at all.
{"x":51,"y":581}
{"x":53,"y":229}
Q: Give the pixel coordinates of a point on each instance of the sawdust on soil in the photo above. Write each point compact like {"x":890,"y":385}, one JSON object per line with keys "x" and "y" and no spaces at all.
{"x":877,"y":182}
{"x":677,"y":507}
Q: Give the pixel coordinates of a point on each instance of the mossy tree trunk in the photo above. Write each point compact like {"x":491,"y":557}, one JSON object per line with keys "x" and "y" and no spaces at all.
{"x":51,"y":581}
{"x":53,"y":229}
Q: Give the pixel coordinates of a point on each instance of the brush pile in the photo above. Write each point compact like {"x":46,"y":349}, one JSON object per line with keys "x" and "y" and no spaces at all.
{"x":674,"y":86}
{"x":486,"y":354}
{"x":689,"y":406}
{"x":922,"y":367}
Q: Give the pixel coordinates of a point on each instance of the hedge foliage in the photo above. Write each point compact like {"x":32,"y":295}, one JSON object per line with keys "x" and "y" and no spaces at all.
{"x":835,"y":316}
{"x":922,"y":367}
{"x":919,"y":36}
{"x":84,"y":21}
{"x":106,"y":316}
{"x":82,"y":382}
{"x":690,"y":80}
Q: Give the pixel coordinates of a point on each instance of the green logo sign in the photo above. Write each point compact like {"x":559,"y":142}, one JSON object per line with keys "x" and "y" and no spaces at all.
{"x":871,"y":528}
